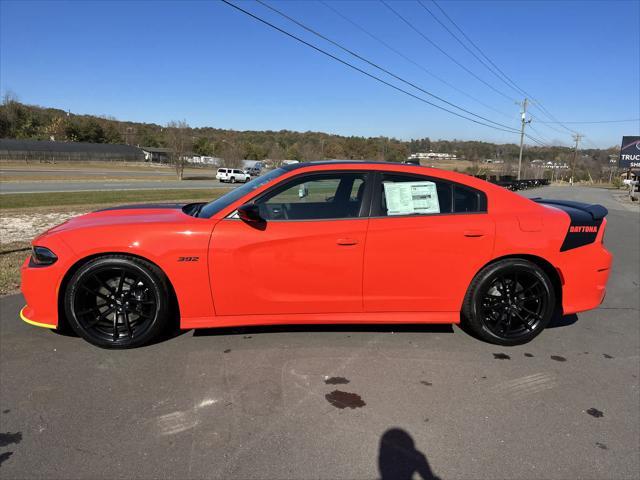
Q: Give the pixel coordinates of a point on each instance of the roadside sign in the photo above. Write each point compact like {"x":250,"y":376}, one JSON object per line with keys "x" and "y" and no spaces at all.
{"x":629,"y":153}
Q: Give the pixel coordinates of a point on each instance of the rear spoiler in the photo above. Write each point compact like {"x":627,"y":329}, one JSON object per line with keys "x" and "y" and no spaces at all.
{"x":597,"y":212}
{"x":586,"y":221}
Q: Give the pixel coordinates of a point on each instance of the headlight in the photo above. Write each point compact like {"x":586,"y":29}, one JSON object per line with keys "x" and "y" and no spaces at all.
{"x":42,"y":256}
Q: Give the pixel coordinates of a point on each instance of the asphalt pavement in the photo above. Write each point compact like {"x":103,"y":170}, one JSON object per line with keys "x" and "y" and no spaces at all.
{"x":83,"y":186}
{"x":335,"y":402}
{"x":86,"y":180}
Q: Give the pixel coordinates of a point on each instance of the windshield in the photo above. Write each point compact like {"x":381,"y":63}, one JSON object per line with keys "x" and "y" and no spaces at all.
{"x":211,"y":208}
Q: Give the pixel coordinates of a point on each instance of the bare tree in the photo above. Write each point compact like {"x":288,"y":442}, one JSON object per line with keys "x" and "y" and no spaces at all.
{"x":232,"y":154}
{"x":179,"y":141}
{"x":276,"y":155}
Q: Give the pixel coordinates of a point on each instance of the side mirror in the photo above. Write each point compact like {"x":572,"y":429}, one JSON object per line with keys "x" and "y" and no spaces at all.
{"x":250,"y":213}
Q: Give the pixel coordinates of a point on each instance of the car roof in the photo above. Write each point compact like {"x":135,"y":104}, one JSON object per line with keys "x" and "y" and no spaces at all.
{"x":295,"y":166}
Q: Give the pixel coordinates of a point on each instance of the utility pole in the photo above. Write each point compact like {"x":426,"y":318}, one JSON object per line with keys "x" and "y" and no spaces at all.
{"x":524,"y":120}
{"x":577,"y":137}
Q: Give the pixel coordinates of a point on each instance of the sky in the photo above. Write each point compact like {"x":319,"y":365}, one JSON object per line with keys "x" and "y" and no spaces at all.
{"x":211,"y":65}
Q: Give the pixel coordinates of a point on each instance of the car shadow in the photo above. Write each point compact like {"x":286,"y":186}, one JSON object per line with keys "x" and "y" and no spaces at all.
{"x":396,"y":328}
{"x":562,"y":320}
{"x":398,"y":458}
{"x":200,"y":177}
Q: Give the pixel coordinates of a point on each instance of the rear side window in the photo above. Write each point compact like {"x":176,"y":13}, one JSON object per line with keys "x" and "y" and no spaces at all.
{"x":405,"y":194}
{"x":465,"y":199}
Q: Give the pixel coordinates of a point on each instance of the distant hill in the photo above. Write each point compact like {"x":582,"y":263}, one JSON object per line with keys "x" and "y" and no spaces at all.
{"x":21,"y":121}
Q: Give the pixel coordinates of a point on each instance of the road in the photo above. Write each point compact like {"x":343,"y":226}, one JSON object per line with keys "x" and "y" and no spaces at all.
{"x":82,"y":180}
{"x":79,"y":186}
{"x":256,"y":403}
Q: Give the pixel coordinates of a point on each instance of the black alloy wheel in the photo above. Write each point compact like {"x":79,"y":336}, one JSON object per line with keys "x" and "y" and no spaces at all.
{"x":117,"y":302}
{"x":509,"y":302}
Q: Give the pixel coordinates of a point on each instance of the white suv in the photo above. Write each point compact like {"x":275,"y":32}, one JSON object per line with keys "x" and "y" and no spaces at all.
{"x":232,"y":175}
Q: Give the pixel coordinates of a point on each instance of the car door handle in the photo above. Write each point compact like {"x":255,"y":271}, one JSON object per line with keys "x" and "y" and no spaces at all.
{"x":345,"y":242}
{"x":474,"y":233}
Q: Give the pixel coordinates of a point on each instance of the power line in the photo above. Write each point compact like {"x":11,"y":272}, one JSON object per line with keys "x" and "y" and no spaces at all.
{"x":413,"y":62}
{"x":535,"y":103}
{"x":549,"y":126}
{"x":431,"y":42}
{"x":629,"y":120}
{"x":375,"y":65}
{"x":540,"y":135}
{"x":514,"y":85}
{"x":475,"y":55}
{"x":548,"y":114}
{"x":577,"y":137}
{"x":364,"y":72}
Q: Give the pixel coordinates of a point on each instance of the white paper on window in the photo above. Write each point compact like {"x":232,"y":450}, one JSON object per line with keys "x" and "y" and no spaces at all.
{"x":406,"y":198}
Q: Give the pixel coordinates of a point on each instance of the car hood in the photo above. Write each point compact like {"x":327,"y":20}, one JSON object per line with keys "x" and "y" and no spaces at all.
{"x":125,"y":215}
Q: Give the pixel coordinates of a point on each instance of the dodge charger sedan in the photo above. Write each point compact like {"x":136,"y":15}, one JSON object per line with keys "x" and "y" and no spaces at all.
{"x":327,"y":242}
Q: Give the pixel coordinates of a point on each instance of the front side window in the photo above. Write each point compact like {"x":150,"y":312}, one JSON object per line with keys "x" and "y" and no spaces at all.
{"x":403,"y":194}
{"x":315,"y":197}
{"x":227,"y":199}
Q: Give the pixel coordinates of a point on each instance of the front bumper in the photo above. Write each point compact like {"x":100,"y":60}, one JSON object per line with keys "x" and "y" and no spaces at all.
{"x":26,"y":312}
{"x":40,"y":287}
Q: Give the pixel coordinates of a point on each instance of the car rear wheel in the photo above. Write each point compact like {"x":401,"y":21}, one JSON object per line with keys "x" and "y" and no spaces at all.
{"x":233,"y":179}
{"x":118,"y":301}
{"x":509,"y":302}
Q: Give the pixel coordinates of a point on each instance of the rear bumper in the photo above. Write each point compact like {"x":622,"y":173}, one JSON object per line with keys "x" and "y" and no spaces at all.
{"x":584,"y":273}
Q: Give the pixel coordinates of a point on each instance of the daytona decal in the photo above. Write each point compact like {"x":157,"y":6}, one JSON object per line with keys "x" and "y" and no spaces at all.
{"x":583,"y":229}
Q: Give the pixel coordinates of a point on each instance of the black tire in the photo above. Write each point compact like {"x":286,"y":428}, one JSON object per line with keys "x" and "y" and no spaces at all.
{"x":117,"y":301}
{"x":509,"y":302}
{"x":233,"y":179}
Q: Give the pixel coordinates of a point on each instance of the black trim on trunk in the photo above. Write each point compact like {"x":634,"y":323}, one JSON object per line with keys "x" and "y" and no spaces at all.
{"x":585,"y":224}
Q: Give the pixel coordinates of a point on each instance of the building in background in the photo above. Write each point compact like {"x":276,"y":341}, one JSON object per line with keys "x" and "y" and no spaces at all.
{"x":48,"y":151}
{"x":432,"y":156}
{"x":156,"y":154}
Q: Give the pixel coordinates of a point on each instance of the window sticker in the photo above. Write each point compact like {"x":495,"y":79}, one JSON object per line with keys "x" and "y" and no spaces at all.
{"x":406,"y":198}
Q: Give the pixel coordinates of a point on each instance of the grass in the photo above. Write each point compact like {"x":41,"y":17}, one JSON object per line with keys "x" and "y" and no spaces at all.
{"x":11,"y":258}
{"x":30,"y":200}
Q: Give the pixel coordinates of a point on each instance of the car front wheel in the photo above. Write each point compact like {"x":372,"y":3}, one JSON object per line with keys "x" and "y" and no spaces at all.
{"x":116,"y":301}
{"x":509,"y":302}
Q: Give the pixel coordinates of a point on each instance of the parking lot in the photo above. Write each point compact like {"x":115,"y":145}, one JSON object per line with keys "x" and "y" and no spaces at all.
{"x":336,"y":402}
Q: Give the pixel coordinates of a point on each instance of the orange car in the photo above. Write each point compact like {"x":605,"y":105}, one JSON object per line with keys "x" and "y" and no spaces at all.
{"x":326,"y":242}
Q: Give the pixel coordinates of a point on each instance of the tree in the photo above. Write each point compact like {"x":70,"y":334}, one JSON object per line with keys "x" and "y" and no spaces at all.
{"x":203,"y":147}
{"x":293,"y":153}
{"x":276,"y":153}
{"x":178,"y":136}
{"x":55,"y":130}
{"x":232,"y":154}
{"x":111,"y":134}
{"x":147,"y":137}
